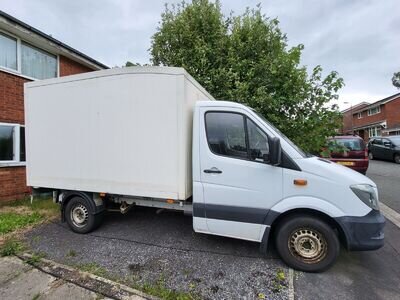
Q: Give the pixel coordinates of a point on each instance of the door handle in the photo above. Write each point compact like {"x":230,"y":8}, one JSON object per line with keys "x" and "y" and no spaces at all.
{"x":213,"y":170}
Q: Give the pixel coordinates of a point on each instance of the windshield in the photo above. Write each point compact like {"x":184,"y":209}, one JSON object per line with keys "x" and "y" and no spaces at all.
{"x":395,"y":140}
{"x":349,"y":143}
{"x":301,"y":152}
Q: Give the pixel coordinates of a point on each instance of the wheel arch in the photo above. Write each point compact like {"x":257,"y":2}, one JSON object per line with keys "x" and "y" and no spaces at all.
{"x":311,"y":206}
{"x":88,"y":196}
{"x":313,"y":213}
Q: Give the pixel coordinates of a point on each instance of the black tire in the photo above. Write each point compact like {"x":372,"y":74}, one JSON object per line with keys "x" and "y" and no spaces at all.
{"x":296,"y":235}
{"x":370,"y":156}
{"x":80,"y":206}
{"x":396,"y":158}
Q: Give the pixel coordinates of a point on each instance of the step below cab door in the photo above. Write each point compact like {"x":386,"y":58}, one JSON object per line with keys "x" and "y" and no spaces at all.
{"x":238,"y":186}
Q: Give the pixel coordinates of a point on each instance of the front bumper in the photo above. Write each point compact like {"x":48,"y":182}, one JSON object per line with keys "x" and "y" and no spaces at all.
{"x":363,"y":233}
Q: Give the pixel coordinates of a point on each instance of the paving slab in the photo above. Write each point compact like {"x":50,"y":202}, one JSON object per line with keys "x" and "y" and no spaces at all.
{"x":27,"y":285}
{"x":11,"y":268}
{"x":68,"y":291}
{"x":49,"y":280}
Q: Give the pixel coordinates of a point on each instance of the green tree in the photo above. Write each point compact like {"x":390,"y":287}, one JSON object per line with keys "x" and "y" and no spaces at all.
{"x":396,"y":80}
{"x":245,"y":58}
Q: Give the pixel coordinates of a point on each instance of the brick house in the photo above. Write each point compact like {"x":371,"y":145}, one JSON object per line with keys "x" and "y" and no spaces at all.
{"x":375,"y":119}
{"x":347,"y":125}
{"x":26,"y":54}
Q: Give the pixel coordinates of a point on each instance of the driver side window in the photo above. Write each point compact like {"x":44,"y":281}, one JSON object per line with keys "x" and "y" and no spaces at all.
{"x":234,"y":135}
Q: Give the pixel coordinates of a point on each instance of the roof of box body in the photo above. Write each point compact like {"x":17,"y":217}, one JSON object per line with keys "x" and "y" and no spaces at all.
{"x":19,"y":28}
{"x":118,"y":72}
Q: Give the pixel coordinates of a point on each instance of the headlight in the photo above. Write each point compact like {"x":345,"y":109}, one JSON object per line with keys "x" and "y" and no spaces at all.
{"x":367,"y":194}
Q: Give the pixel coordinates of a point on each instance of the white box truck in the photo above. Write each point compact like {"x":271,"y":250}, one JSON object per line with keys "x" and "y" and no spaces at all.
{"x":152,"y":136}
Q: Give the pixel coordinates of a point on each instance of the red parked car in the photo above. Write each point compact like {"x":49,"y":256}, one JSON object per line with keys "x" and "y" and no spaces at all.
{"x":349,"y":151}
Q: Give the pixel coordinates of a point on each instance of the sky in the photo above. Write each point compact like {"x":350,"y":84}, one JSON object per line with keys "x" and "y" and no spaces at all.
{"x":360,"y":39}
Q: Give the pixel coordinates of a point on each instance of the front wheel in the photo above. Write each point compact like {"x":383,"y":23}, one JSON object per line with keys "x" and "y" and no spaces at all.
{"x":307,"y":243}
{"x":80,"y":216}
{"x":397,"y":158}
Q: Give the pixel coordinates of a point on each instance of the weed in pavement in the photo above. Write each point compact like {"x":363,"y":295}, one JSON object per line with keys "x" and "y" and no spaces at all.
{"x":71,"y":253}
{"x":160,"y":290}
{"x":93,"y":268}
{"x":11,"y":246}
{"x":36,"y":258}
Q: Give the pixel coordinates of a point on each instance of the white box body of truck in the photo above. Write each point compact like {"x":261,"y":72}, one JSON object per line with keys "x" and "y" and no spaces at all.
{"x":124,"y":131}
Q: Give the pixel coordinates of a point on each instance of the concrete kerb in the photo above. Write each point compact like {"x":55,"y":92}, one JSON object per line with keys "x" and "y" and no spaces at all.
{"x":91,"y":282}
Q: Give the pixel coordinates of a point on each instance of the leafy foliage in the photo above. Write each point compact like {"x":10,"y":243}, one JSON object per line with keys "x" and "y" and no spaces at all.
{"x":245,"y":58}
{"x":396,"y":80}
{"x":333,"y":147}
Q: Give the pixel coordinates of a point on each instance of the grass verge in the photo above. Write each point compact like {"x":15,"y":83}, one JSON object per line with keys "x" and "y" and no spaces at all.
{"x":22,"y":214}
{"x":10,"y":221}
{"x":44,"y":206}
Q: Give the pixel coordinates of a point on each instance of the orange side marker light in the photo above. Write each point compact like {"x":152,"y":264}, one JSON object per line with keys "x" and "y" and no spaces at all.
{"x":301,"y":182}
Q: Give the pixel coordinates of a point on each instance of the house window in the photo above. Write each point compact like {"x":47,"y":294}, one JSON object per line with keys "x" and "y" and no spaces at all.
{"x":374,"y":131}
{"x":26,"y":59}
{"x":37,"y":63}
{"x":359,"y":115}
{"x":373,"y":111}
{"x":8,"y":52}
{"x":6,"y":143}
{"x":12,"y":143}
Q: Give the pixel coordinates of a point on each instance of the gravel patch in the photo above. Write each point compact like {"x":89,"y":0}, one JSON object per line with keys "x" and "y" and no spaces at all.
{"x":144,"y":247}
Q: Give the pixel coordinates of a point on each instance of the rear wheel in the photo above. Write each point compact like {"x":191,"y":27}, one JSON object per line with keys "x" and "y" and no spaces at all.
{"x":397,"y":158}
{"x":79,"y":215}
{"x":370,"y":156}
{"x":306,"y":243}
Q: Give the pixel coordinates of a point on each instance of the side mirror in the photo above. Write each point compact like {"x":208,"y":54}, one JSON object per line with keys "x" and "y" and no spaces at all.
{"x":275,"y":151}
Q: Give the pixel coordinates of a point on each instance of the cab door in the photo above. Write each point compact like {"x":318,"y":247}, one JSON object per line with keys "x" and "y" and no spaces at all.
{"x":387,"y":152}
{"x":377,"y":148}
{"x":239,"y":187}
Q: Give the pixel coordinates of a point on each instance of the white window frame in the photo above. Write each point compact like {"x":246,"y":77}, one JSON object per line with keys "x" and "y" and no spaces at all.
{"x":359,"y":115}
{"x":373,"y":131}
{"x":378,"y":110}
{"x":18,"y":52}
{"x":16,"y":146}
{"x":19,"y":58}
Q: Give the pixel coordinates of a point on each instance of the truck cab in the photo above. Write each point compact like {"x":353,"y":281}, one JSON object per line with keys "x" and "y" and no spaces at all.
{"x":251,"y":182}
